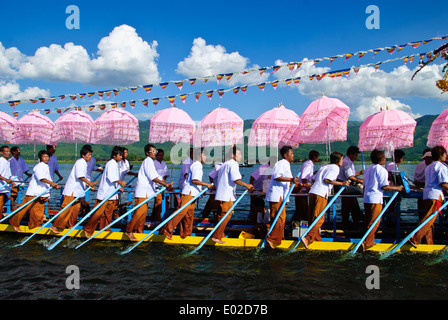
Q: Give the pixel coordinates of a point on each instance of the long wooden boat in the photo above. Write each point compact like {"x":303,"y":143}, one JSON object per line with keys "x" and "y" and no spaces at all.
{"x":244,"y":240}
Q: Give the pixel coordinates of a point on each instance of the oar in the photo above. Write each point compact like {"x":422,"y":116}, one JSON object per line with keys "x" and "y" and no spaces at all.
{"x":55,"y":216}
{"x":122,"y":216}
{"x":23,"y":206}
{"x":279,"y":212}
{"x":218,"y":224}
{"x":165,"y":221}
{"x":375,"y":222}
{"x":318,"y":218}
{"x":398,"y":246}
{"x":84,"y":218}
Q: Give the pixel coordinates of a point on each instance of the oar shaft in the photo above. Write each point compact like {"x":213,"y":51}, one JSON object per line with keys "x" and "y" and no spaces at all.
{"x":55,"y":216}
{"x":220,"y":222}
{"x":165,"y":221}
{"x":421,"y":225}
{"x":318,"y":217}
{"x":375,"y":222}
{"x":23,"y":206}
{"x":84,"y":218}
{"x":122,"y":216}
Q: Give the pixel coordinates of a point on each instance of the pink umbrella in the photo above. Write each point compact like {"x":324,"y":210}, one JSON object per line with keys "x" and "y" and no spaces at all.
{"x":33,"y":128}
{"x":7,"y":128}
{"x":323,"y":121}
{"x":387,"y":130}
{"x":270,"y":128}
{"x":73,"y":127}
{"x":173,"y":125}
{"x":220,"y":127}
{"x":115,"y":126}
{"x":438,"y":133}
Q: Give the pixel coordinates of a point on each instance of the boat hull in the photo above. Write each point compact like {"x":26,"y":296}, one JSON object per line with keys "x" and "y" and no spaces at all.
{"x":240,"y":242}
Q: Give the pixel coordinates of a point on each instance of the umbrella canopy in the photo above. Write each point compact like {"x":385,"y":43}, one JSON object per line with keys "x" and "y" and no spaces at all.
{"x":33,"y":128}
{"x":173,"y":125}
{"x":270,"y":128}
{"x":7,"y":128}
{"x":220,"y":127}
{"x":73,"y":127}
{"x":323,"y":121}
{"x":115,"y":126}
{"x":438,"y":133}
{"x":387,"y":130}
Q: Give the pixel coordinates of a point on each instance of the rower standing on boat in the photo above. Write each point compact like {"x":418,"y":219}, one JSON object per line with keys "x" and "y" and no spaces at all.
{"x":110,"y":180}
{"x":192,"y":187}
{"x":40,"y":181}
{"x":277,"y":193}
{"x":18,"y":169}
{"x":436,"y":181}
{"x":5,"y":176}
{"x":325,"y":178}
{"x":375,"y":182}
{"x":147,"y":179}
{"x":74,"y":188}
{"x":228,"y":177}
{"x":162,"y":170}
{"x":211,"y":204}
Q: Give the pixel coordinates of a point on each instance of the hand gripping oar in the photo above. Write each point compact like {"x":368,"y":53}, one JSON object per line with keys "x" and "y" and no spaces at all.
{"x":84,"y":218}
{"x":165,"y":221}
{"x":398,"y":246}
{"x":23,"y":206}
{"x":219,"y":223}
{"x":122,"y":216}
{"x":374,"y":222}
{"x":279,"y":212}
{"x":318,"y":218}
{"x":55,"y":216}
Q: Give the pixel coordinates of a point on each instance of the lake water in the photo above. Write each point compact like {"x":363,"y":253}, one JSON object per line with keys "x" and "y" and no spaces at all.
{"x":159,"y":272}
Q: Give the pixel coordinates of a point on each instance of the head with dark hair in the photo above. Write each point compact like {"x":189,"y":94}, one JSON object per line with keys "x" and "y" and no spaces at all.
{"x":116,"y":151}
{"x":2,"y":148}
{"x":438,"y":153}
{"x":313,"y":155}
{"x":377,"y":156}
{"x":15,"y":149}
{"x":234,"y":153}
{"x":284,"y":150}
{"x":352,"y":153}
{"x":88,"y":146}
{"x":336,"y":158}
{"x":150,"y":150}
{"x":51,"y":148}
{"x":44,"y":156}
{"x":199,"y":154}
{"x":398,"y":155}
{"x":85,"y":150}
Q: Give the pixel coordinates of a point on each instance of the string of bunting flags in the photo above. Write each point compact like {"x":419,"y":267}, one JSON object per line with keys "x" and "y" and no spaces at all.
{"x":236,"y":90}
{"x":219,"y":77}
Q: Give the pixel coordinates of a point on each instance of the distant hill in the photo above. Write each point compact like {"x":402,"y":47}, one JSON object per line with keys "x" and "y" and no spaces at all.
{"x":66,"y":152}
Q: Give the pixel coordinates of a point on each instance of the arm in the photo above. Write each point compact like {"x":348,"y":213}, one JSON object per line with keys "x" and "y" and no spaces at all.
{"x":249,"y":187}
{"x":337,"y":183}
{"x":87,"y":182}
{"x":393,"y":188}
{"x":201,"y":183}
{"x":51,"y":183}
{"x":163,"y":183}
{"x":59,"y":175}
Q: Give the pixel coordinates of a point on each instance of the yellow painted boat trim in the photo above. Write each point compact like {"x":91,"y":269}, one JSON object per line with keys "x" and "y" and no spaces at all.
{"x":240,"y":242}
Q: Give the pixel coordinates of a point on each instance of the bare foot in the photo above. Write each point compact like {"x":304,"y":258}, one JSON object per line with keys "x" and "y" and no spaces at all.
{"x":17,"y":229}
{"x":271,"y":244}
{"x":305,"y":243}
{"x":218,"y":240}
{"x":167,"y":235}
{"x":54,"y":230}
{"x":411,"y":241}
{"x":88,"y":235}
{"x":130,"y":235}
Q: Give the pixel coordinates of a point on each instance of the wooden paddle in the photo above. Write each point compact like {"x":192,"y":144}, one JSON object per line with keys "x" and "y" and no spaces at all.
{"x":123,"y":215}
{"x":165,"y":221}
{"x":318,"y":218}
{"x":219,"y":223}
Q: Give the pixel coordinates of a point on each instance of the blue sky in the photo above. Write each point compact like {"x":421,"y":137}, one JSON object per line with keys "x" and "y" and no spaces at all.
{"x":207,"y":38}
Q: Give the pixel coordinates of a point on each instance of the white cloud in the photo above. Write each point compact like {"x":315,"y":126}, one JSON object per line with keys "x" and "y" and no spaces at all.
{"x":123,"y":59}
{"x":372,"y":105}
{"x":206,"y":60}
{"x":11,"y":91}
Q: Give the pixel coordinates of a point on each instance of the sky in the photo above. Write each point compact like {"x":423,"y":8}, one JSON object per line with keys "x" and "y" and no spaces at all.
{"x":120,"y":44}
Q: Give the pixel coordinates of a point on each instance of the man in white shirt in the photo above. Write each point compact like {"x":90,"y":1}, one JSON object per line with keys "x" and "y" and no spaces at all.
{"x":277,"y":193}
{"x":110,"y":180}
{"x":74,"y":188}
{"x":436,"y":181}
{"x":347,"y":172}
{"x":375,"y":182}
{"x":192,"y":187}
{"x":40,"y":181}
{"x":325,"y":178}
{"x":228,"y":177}
{"x":185,"y":167}
{"x":211,"y":204}
{"x":5,"y":175}
{"x":306,"y":179}
{"x":162,"y":170}
{"x":53,"y":163}
{"x":147,"y":179}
